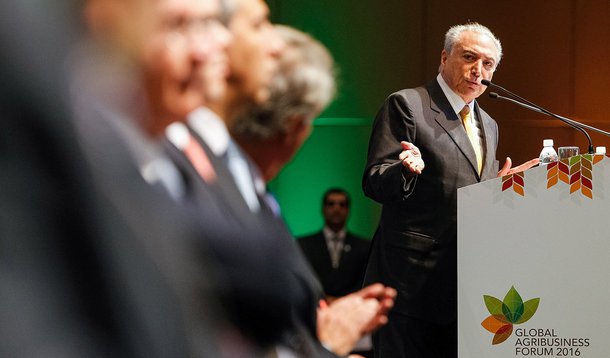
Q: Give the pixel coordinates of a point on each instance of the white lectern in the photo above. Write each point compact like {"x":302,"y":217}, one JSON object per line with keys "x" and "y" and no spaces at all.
{"x":534,"y":263}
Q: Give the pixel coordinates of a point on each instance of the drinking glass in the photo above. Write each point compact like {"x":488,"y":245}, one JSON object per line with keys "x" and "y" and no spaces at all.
{"x":567,"y":152}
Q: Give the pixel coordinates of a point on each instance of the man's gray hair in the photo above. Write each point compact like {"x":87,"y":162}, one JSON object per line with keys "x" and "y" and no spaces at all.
{"x":227,"y":10}
{"x":303,"y":85}
{"x":453,"y":35}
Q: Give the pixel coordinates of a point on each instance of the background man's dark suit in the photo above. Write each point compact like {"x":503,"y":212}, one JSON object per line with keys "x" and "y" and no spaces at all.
{"x":414,"y":248}
{"x":346,"y":278}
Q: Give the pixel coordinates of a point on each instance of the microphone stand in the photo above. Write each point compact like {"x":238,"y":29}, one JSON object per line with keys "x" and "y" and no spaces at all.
{"x":532,"y":106}
{"x":568,"y":121}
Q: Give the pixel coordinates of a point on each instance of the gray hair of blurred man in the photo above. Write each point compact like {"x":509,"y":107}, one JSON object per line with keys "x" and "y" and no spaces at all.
{"x":303,"y":85}
{"x":227,"y":9}
{"x":453,"y":35}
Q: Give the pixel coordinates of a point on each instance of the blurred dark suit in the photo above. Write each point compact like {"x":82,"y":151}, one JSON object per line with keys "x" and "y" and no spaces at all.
{"x":255,"y":294}
{"x":243,"y":263}
{"x":80,"y":276}
{"x":300,"y":332}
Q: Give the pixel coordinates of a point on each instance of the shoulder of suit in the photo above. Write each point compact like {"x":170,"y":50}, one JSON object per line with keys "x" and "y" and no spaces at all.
{"x":408,"y":92}
{"x":408,"y":98}
{"x":309,"y":237}
{"x":485,"y":115}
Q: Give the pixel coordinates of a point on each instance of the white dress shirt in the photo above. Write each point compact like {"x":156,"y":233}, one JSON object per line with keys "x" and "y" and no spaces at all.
{"x":214,"y":133}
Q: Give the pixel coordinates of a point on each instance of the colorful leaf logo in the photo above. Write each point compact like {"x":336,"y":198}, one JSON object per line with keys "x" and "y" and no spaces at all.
{"x":505,"y":314}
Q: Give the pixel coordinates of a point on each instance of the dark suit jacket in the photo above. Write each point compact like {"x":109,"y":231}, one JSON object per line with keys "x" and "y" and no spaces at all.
{"x":93,"y":261}
{"x":188,"y":235}
{"x":222,"y":195}
{"x":145,"y":221}
{"x":345,"y":279}
{"x":415,"y":247}
{"x":263,"y":318}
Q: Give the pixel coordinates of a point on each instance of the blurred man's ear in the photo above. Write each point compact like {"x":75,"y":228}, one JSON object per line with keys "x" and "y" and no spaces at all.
{"x":119,"y":24}
{"x":101,"y":17}
{"x":298,"y":128}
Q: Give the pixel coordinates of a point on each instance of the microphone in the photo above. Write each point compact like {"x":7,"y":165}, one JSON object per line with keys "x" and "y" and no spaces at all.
{"x":536,"y":108}
{"x":494,"y":95}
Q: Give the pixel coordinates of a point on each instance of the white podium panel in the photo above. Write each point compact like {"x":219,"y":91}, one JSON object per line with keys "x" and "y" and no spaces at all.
{"x":534,"y":263}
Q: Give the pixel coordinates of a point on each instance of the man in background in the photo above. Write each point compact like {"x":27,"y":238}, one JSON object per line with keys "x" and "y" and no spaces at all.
{"x":337,"y":256}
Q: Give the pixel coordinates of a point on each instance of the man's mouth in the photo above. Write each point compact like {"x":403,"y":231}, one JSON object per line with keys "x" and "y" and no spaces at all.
{"x":189,"y":82}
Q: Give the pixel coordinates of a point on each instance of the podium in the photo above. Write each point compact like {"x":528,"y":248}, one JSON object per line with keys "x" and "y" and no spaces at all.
{"x":534,"y":263}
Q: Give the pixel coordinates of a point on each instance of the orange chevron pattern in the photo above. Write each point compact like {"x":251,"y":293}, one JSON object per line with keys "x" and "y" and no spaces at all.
{"x":515,"y":181}
{"x":576,"y":172}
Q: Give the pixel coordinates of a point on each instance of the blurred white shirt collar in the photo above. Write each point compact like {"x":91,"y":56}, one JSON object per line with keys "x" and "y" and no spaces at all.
{"x":211,"y":128}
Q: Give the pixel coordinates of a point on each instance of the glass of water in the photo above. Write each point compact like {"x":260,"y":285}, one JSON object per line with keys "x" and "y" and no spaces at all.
{"x":567,"y":152}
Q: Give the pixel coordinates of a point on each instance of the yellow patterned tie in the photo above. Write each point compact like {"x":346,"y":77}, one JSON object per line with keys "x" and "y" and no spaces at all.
{"x":469,"y":125}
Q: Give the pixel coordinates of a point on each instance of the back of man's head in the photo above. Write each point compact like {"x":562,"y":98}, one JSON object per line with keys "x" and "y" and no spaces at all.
{"x":303,"y":85}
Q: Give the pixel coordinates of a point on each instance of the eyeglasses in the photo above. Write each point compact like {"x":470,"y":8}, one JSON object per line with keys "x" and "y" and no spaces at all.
{"x":331,"y":203}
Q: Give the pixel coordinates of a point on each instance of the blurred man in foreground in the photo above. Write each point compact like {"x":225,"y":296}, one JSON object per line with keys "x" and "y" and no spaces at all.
{"x":96,"y":262}
{"x":271,"y":132}
{"x":152,"y":63}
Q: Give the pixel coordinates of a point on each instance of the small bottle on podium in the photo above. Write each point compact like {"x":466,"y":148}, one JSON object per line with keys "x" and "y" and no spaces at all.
{"x":600,"y":150}
{"x":548,"y":153}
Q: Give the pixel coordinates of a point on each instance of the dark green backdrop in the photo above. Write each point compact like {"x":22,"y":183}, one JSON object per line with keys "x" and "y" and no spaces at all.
{"x":370,"y":45}
{"x":334,"y":155}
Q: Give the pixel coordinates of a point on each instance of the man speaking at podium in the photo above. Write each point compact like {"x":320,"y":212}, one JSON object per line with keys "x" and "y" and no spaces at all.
{"x":426,"y":143}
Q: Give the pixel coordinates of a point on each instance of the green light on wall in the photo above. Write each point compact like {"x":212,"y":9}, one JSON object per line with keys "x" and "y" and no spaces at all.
{"x":334,"y":155}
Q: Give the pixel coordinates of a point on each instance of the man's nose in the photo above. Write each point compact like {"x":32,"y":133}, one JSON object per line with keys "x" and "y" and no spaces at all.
{"x":198,"y":50}
{"x":476,"y":68}
{"x":276,"y":43}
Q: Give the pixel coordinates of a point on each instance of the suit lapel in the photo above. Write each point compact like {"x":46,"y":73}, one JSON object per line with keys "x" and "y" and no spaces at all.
{"x":227,"y":187}
{"x":489,"y":137}
{"x":449,"y":121}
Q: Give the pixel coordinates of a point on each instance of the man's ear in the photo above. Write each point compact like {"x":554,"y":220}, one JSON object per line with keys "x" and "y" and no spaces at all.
{"x":297,"y":129}
{"x":95,"y":13}
{"x":444,"y":56}
{"x":114,"y":23}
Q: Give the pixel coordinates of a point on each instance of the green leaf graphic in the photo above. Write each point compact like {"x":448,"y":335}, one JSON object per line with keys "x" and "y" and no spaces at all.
{"x":573,"y":160}
{"x":530,"y":308}
{"x":513,"y":305}
{"x":494,"y":305}
{"x":504,"y":314}
{"x":512,"y":315}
